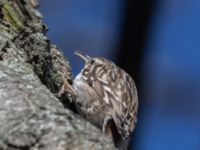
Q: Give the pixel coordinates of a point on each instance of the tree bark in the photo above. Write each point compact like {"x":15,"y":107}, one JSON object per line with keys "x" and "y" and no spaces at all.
{"x":31,"y":73}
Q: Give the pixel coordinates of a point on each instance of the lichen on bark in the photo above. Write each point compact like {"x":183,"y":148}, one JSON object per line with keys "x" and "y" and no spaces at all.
{"x":31,"y":116}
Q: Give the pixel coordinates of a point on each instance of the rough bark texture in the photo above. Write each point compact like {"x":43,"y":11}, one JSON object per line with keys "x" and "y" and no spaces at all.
{"x":31,"y":72}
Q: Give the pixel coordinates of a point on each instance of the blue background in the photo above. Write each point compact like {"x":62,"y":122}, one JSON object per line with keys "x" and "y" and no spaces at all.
{"x":169,"y":81}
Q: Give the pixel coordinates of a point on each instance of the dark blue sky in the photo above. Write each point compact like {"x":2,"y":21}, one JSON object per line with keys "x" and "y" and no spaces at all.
{"x":90,"y":26}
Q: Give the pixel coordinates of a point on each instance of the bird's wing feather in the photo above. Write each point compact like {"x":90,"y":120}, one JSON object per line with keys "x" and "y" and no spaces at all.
{"x":120,"y":99}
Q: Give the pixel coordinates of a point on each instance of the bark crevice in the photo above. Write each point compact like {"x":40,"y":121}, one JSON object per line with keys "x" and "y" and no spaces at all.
{"x":31,"y":73}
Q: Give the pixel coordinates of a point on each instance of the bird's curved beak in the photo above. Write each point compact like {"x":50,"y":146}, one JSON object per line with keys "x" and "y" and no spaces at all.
{"x":82,"y":55}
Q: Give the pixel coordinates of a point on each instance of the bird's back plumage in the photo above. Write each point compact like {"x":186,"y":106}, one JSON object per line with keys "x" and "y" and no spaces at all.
{"x":115,"y":90}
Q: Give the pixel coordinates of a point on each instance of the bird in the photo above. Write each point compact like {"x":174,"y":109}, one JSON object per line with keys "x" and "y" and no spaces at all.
{"x":107,"y":97}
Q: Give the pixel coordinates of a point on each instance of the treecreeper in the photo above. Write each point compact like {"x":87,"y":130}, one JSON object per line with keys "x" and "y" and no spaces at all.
{"x":107,"y":97}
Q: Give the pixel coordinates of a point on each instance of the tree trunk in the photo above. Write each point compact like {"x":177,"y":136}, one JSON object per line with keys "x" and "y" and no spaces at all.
{"x":32,"y":71}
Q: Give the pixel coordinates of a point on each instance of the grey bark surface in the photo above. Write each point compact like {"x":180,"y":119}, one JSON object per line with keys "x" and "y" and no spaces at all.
{"x":31,"y":116}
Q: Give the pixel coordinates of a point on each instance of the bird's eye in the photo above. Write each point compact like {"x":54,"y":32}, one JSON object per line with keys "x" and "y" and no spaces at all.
{"x":92,"y":61}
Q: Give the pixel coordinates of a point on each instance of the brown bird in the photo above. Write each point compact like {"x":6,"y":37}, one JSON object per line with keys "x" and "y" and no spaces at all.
{"x":107,"y":97}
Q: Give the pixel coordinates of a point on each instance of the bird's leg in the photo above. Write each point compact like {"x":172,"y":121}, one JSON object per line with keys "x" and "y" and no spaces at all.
{"x":107,"y":127}
{"x":65,"y":88}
